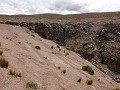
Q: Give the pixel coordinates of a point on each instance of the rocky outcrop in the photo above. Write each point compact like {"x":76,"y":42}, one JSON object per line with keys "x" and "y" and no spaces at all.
{"x":108,"y":45}
{"x":54,"y":31}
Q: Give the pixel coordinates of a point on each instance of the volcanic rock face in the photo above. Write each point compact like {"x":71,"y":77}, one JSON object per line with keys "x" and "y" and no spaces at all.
{"x":103,"y":44}
{"x":54,"y":31}
{"x":108,"y":44}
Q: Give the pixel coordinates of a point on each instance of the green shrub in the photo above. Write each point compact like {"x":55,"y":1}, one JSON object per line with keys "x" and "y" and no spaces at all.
{"x":1,"y":52}
{"x":89,"y":82}
{"x":88,"y":69}
{"x":37,"y":47}
{"x":91,"y":72}
{"x":32,"y":85}
{"x":79,"y":80}
{"x":3,"y":63}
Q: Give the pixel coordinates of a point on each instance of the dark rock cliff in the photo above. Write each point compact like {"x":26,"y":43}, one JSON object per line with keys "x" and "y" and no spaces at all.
{"x":54,"y":31}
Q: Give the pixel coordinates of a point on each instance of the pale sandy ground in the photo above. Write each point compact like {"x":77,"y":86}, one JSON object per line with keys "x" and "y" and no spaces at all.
{"x":30,"y":62}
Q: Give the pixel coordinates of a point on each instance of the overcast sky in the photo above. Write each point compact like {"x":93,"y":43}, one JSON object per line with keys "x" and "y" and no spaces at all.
{"x":57,"y":6}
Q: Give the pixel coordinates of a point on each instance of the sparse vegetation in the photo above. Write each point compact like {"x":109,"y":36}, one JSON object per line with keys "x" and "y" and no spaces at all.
{"x":79,"y":80}
{"x":3,"y":63}
{"x":59,"y":49}
{"x":37,"y":47}
{"x":59,"y":67}
{"x":18,"y":74}
{"x":32,"y":35}
{"x":32,"y":85}
{"x":68,"y":48}
{"x":67,"y":54}
{"x":19,"y":42}
{"x":117,"y":89}
{"x":58,"y":46}
{"x":14,"y":73}
{"x":11,"y":72}
{"x":1,"y":52}
{"x":6,"y":37}
{"x":45,"y":57}
{"x":89,"y":82}
{"x":63,"y":71}
{"x":40,"y":39}
{"x":88,"y":69}
{"x":52,"y":47}
{"x":53,"y":52}
{"x":64,"y":89}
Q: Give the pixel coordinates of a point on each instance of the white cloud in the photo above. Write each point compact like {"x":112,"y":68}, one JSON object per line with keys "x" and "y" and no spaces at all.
{"x":57,"y":6}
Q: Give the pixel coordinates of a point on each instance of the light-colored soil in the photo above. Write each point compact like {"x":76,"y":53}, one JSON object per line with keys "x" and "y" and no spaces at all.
{"x":19,"y":50}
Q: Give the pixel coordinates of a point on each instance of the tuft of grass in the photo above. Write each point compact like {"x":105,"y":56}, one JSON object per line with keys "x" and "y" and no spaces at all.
{"x":63,"y":71}
{"x":13,"y":73}
{"x":32,"y":85}
{"x":79,"y":80}
{"x":117,"y":89}
{"x":64,"y":89}
{"x":1,"y":52}
{"x":52,"y":47}
{"x":45,"y":57}
{"x":37,"y":47}
{"x":32,"y":35}
{"x":3,"y":63}
{"x":89,"y":82}
{"x":59,"y":49}
{"x":58,"y":46}
{"x":88,"y":69}
{"x":53,"y":52}
{"x":67,"y":54}
{"x":18,"y":75}
{"x":6,"y":37}
{"x":59,"y":67}
{"x":19,"y":42}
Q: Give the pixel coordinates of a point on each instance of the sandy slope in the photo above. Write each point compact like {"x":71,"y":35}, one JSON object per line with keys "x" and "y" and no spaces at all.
{"x":19,"y":50}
